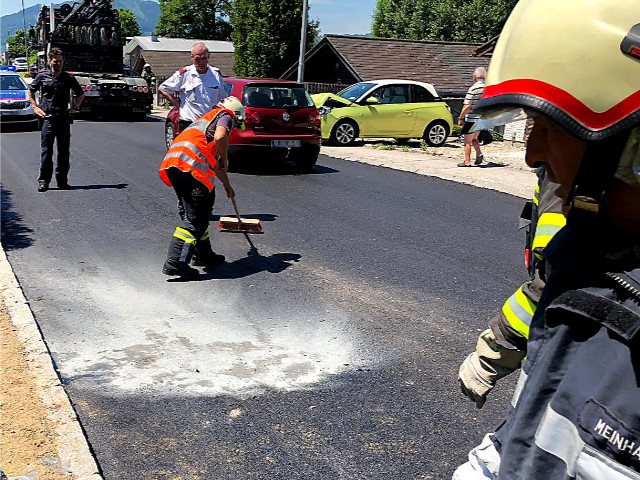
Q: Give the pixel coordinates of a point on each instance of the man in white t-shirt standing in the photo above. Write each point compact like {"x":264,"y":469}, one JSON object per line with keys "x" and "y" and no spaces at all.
{"x":195,"y":89}
{"x":467,"y":119}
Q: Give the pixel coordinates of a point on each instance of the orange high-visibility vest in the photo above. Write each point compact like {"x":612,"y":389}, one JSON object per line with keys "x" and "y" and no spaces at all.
{"x":190,"y":152}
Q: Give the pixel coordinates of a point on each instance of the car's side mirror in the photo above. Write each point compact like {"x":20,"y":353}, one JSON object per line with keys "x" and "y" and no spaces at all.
{"x":372,"y":100}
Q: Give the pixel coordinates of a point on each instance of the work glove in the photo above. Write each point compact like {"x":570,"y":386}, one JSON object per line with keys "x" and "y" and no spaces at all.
{"x":481,"y":369}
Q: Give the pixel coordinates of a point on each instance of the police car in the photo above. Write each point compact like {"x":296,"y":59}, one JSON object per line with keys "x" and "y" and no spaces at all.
{"x":15,"y":106}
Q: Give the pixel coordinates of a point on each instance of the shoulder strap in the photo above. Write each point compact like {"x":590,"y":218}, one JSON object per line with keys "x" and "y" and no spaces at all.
{"x":622,"y":319}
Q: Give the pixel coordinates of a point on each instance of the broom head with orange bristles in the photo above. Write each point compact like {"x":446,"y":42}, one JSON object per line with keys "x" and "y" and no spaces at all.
{"x":235,"y":224}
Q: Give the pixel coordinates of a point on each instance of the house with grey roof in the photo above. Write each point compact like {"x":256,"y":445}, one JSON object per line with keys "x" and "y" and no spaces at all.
{"x":344,"y":59}
{"x":166,"y":55}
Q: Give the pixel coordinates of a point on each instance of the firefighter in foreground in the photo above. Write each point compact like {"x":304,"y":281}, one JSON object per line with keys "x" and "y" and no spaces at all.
{"x":501,"y":348}
{"x":575,"y":412}
{"x":197,"y":156}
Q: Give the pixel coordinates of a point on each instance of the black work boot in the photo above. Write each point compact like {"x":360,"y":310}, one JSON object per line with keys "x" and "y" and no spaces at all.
{"x":204,"y":256}
{"x":176,"y":268}
{"x":43,"y":186}
{"x":208,"y":259}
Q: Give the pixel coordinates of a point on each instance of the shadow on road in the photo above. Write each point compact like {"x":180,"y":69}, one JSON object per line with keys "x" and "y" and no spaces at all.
{"x":491,"y":165}
{"x":271,"y":164}
{"x":253,"y":263}
{"x":14,"y":235}
{"x":116,"y":186}
{"x":263,"y":217}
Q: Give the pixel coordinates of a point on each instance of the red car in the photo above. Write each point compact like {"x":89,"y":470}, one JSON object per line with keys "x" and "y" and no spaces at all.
{"x":281,"y":119}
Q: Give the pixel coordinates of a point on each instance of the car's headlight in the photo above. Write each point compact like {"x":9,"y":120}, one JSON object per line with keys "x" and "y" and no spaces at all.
{"x":324,"y":111}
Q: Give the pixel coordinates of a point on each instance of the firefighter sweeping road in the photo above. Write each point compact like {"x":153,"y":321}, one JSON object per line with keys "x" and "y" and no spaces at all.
{"x":327,"y":348}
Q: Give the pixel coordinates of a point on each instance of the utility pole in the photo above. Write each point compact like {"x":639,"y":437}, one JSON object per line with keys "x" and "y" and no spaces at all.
{"x":303,"y":40}
{"x":26,"y":46}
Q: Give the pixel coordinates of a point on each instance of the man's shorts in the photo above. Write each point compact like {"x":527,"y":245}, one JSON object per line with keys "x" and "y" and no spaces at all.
{"x":467,"y":127}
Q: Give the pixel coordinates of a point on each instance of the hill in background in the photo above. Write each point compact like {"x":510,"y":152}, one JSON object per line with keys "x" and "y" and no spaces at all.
{"x":147,"y":12}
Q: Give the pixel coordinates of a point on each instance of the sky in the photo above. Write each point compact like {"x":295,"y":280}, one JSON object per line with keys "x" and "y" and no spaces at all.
{"x":336,"y":16}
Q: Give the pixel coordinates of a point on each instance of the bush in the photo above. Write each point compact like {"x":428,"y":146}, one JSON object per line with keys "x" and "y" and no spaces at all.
{"x":455,"y":131}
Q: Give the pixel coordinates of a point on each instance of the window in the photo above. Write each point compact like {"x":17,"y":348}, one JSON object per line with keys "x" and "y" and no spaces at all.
{"x":392,"y":94}
{"x":12,"y":82}
{"x":276,"y":96}
{"x":228,"y":86}
{"x":354,"y":92}
{"x":421,"y":94}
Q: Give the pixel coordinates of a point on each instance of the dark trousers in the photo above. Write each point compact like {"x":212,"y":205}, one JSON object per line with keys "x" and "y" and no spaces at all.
{"x":195,"y":204}
{"x":58,"y":129}
{"x":182,"y":124}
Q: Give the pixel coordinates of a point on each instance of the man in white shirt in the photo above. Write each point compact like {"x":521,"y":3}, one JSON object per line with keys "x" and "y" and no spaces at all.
{"x":195,"y":89}
{"x":467,"y":119}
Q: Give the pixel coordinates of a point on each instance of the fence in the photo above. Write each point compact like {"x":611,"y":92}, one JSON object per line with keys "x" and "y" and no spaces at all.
{"x":314,"y":87}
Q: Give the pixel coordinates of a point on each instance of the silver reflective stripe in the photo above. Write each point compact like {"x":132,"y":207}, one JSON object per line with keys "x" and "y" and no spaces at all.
{"x":519,"y":311}
{"x":522,"y":379}
{"x":193,"y":148}
{"x":593,"y":465}
{"x":559,"y":437}
{"x":190,"y":161}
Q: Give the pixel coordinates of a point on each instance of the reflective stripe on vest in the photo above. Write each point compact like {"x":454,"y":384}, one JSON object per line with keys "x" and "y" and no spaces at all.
{"x":519,"y":310}
{"x":548,"y":225}
{"x":559,"y":437}
{"x":536,"y":195}
{"x":188,"y":239}
{"x":191,"y":153}
{"x":522,"y":379}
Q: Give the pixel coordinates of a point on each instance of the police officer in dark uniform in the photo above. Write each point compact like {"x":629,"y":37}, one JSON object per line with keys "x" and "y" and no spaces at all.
{"x":55,"y":86}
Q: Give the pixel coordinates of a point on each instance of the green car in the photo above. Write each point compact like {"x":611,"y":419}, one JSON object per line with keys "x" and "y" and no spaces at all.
{"x":400,"y":109}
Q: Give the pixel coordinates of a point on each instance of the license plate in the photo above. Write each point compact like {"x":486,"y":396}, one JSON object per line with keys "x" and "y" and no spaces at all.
{"x":285,"y":143}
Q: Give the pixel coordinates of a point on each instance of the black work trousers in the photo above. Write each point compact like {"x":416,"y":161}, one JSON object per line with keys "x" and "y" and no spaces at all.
{"x":195,"y":204}
{"x":59,"y":129}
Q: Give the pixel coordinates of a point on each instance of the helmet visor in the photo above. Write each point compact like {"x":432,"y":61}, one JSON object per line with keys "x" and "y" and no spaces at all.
{"x":501,"y":116}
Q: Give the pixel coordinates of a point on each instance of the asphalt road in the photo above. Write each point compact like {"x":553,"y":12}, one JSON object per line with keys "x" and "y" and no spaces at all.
{"x":326,"y":348}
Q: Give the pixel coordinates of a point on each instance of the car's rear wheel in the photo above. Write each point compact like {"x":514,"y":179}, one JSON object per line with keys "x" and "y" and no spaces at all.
{"x":305,"y":157}
{"x":436,"y":133}
{"x":344,"y":133}
{"x":169,"y":134}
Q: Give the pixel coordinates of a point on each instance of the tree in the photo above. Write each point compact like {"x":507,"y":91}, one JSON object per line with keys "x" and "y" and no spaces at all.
{"x":443,"y":20}
{"x":129,"y":26}
{"x":266,"y":36}
{"x":15,"y":45}
{"x":201,"y":19}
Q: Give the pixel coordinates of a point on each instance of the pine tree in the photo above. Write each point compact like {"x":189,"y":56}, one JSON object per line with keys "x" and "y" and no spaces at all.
{"x":129,"y":26}
{"x":444,"y":20}
{"x":201,"y":19}
{"x":266,"y":36}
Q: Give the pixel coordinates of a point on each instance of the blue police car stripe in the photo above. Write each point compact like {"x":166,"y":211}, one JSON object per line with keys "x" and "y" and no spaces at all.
{"x":13,"y":95}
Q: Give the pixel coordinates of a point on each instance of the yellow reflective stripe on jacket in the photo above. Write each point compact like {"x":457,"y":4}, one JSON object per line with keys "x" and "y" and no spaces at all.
{"x":519,"y":310}
{"x":536,"y":195}
{"x":185,"y":235}
{"x":548,"y":225}
{"x":205,"y":236}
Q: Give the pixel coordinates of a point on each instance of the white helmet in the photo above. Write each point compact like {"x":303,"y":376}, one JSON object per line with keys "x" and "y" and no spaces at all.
{"x":235,"y":108}
{"x":146,"y":65}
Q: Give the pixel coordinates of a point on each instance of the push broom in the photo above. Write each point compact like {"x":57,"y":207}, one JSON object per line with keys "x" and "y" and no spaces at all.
{"x":237,"y":224}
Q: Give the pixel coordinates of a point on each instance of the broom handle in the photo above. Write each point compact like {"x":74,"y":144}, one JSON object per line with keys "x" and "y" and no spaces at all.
{"x":233,"y":201}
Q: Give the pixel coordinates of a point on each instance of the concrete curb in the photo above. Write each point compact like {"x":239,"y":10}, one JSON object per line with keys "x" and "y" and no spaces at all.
{"x":74,"y":453}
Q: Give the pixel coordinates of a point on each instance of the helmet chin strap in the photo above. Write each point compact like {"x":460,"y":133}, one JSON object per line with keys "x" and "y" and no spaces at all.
{"x":594,"y":178}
